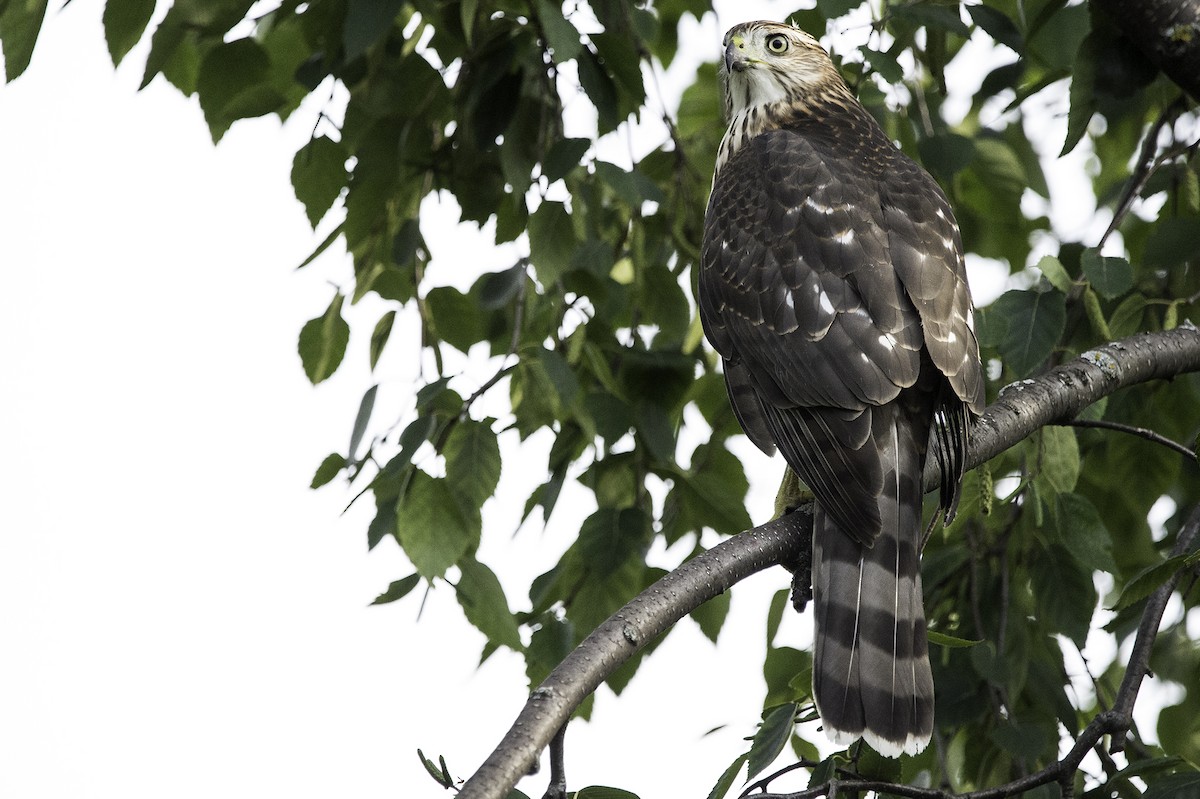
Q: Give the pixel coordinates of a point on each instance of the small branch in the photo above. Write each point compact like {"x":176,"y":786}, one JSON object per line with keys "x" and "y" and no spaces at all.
{"x":761,"y":785}
{"x":1142,"y":432}
{"x":1101,"y":725}
{"x":558,"y":769}
{"x":1146,"y":166}
{"x":1061,"y":393}
{"x":1139,"y":658}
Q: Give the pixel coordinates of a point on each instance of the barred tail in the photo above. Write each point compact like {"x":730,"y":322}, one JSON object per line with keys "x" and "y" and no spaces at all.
{"x":871,"y":674}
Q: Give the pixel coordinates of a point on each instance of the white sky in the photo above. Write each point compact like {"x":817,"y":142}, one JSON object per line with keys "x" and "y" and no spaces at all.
{"x":181,"y":615}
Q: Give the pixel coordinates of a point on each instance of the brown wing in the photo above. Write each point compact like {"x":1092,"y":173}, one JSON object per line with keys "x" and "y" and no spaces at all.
{"x":821,"y":287}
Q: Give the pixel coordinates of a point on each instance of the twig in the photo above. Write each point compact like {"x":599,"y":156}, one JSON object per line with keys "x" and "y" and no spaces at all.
{"x":761,"y":785}
{"x":557,"y":789}
{"x":1142,"y":432}
{"x":1139,"y":658}
{"x":1146,"y":167}
{"x":1060,"y":393}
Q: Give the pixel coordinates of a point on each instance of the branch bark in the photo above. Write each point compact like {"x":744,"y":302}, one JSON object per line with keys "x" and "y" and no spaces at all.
{"x":1023,"y":407}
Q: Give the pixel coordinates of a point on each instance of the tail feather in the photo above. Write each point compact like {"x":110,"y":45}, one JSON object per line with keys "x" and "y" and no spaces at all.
{"x":871,"y":675}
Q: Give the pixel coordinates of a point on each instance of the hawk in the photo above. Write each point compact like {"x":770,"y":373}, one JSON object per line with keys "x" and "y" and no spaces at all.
{"x":833,"y":286}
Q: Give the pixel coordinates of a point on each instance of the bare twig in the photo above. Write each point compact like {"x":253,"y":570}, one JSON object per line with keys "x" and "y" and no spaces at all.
{"x":557,"y":789}
{"x":1146,"y":166}
{"x":761,"y":785}
{"x":1141,"y":432}
{"x":1139,"y":658}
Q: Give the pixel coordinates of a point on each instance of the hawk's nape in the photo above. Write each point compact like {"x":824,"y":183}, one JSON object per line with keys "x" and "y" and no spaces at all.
{"x":833,"y":286}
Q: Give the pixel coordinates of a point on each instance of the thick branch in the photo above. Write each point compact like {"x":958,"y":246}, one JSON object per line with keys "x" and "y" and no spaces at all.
{"x":616,"y":640}
{"x":1021,"y":409}
{"x":1063,"y":392}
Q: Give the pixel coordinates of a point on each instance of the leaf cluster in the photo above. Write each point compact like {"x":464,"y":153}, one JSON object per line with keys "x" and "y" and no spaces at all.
{"x":546,"y":126}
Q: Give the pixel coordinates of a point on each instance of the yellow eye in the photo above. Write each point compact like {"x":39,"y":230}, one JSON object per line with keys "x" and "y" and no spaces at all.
{"x":777,"y":43}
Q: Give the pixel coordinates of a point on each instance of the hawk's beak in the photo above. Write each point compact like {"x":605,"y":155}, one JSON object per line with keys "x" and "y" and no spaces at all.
{"x":735,"y":57}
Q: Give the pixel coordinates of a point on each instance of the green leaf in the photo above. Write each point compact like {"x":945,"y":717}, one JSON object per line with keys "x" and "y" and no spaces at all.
{"x":1036,"y":320}
{"x":472,"y":461}
{"x":384,"y":521}
{"x":1175,"y":786}
{"x":788,"y":674}
{"x":564,"y":155}
{"x":379,"y":336}
{"x":1151,"y":578}
{"x":713,"y":493}
{"x":885,"y":64}
{"x":928,"y":15}
{"x":234,"y":83}
{"x":433,"y":527}
{"x":600,"y":89}
{"x":779,"y":603}
{"x":318,"y":176}
{"x":456,"y":317}
{"x":561,"y":35}
{"x":832,"y":9}
{"x":560,"y":376}
{"x":362,"y":419}
{"x":604,"y":792}
{"x":771,"y":737}
{"x":323,"y":342}
{"x":328,"y":470}
{"x":497,"y":289}
{"x":1173,"y":242}
{"x":946,"y":154}
{"x":728,"y":777}
{"x":323,"y":246}
{"x":711,"y":616}
{"x":949,"y":641}
{"x":440,"y":773}
{"x":164,"y":43}
{"x":1066,"y":596}
{"x":484,"y":604}
{"x":124,"y":23}
{"x":1054,"y":272}
{"x":1127,"y":318}
{"x":1095,"y":314}
{"x":551,"y":241}
{"x":1110,"y":276}
{"x":367,"y":21}
{"x":609,"y":538}
{"x":1081,"y":532}
{"x":1059,"y":457}
{"x":20,"y":23}
{"x":550,"y":642}
{"x":397,"y":590}
{"x":1082,"y":92}
{"x":997,"y":25}
{"x":632,"y":187}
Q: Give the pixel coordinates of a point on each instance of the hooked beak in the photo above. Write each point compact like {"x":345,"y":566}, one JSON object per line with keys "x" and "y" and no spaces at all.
{"x":735,"y":59}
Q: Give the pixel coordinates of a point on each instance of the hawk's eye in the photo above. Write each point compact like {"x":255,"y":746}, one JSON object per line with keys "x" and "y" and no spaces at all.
{"x":777,"y":43}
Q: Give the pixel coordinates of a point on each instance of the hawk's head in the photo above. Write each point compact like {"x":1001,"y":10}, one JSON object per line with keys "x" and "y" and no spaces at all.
{"x":768,"y":62}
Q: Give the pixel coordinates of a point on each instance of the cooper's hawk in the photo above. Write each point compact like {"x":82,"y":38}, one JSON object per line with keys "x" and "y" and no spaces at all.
{"x":833,"y":286}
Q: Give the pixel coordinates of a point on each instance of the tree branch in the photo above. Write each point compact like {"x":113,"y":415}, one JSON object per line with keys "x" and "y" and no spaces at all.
{"x":1021,"y":408}
{"x":1115,"y":722}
